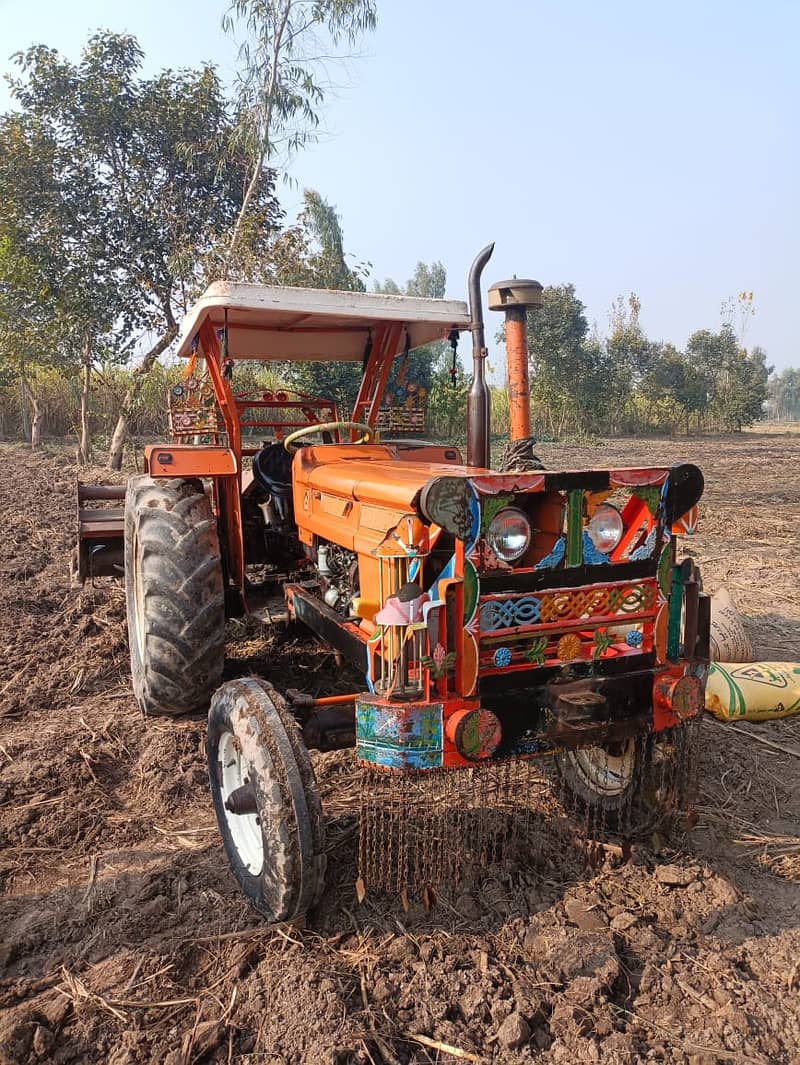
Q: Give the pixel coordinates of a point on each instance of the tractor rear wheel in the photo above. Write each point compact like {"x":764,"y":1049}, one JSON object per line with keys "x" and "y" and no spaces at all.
{"x":266,"y":799}
{"x":174,"y":595}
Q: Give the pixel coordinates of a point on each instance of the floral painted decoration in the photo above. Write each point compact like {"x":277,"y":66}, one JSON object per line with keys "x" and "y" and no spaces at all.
{"x":502,"y":657}
{"x":535,"y":653}
{"x":569,"y":646}
{"x":602,"y":642}
{"x":439,"y":662}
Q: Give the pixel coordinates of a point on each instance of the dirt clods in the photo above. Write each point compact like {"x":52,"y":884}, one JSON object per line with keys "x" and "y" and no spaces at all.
{"x":124,"y":940}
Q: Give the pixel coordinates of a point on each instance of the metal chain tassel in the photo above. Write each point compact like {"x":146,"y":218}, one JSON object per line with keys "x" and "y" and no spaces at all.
{"x":427,"y":829}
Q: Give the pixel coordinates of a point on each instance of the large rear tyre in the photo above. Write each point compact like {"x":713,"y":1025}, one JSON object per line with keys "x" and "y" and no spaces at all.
{"x":266,"y":799}
{"x":174,"y":595}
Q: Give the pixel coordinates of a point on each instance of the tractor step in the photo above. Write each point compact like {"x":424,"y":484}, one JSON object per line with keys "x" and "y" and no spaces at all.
{"x":101,"y":532}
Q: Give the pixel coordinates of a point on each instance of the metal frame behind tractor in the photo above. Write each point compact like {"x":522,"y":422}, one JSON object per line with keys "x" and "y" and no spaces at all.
{"x":496,"y":616}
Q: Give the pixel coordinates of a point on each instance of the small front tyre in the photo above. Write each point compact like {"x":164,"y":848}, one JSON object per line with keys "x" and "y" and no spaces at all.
{"x":266,"y":799}
{"x":602,"y":781}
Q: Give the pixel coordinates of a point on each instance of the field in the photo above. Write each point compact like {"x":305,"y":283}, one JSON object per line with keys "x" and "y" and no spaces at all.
{"x":124,"y":940}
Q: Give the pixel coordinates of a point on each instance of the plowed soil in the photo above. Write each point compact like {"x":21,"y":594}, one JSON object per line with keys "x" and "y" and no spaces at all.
{"x":124,"y":940}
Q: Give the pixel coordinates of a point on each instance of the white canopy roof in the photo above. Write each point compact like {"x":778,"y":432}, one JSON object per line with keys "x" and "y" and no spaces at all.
{"x":307,"y":324}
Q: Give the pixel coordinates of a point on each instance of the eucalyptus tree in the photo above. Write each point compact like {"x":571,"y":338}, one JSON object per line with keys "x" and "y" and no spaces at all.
{"x":286,"y":49}
{"x":321,"y":262}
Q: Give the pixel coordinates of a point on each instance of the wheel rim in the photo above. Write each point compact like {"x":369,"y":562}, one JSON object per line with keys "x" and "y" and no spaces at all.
{"x":244,"y":829}
{"x":604,"y":773}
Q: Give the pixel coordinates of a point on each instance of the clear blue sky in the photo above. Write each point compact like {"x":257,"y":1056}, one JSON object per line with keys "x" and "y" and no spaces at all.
{"x":619,"y":145}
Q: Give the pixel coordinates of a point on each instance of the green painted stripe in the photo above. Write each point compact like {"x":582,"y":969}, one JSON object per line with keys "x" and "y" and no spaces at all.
{"x":575,"y":527}
{"x":674,"y":617}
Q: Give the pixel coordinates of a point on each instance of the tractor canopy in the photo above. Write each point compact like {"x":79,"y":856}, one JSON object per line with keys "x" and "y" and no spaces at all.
{"x":310,"y":325}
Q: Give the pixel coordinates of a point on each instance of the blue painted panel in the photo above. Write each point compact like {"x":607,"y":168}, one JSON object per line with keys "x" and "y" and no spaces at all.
{"x":509,"y":613}
{"x":399,"y":736}
{"x":591,"y":555}
{"x":647,"y":548}
{"x":556,"y":555}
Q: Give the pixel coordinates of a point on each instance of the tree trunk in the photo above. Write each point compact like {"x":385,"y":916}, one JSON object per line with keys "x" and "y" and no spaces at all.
{"x":29,"y":399}
{"x":120,"y":434}
{"x":85,"y":444}
{"x":36,"y":421}
{"x":23,"y":406}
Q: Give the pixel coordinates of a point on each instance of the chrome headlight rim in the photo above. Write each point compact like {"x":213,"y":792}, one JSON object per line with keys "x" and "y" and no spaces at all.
{"x":606,"y":509}
{"x":493,"y":534}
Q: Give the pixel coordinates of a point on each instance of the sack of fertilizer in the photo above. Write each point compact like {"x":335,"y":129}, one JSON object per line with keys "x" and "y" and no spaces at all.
{"x":753,"y":691}
{"x":729,"y":641}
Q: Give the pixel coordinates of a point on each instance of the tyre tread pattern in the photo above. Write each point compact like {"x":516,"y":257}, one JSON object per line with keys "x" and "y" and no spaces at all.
{"x":179,"y":565}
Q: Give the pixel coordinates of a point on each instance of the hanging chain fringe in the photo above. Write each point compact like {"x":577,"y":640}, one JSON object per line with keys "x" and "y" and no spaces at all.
{"x":431,"y":828}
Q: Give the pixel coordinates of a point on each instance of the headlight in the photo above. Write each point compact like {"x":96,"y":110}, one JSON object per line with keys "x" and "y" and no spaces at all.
{"x":509,"y":534}
{"x":606,"y":528}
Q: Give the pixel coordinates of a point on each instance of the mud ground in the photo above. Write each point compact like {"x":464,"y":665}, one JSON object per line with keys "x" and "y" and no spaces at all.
{"x":123,"y":939}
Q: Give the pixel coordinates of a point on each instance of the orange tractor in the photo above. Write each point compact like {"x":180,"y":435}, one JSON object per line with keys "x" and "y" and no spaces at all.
{"x":495,"y":616}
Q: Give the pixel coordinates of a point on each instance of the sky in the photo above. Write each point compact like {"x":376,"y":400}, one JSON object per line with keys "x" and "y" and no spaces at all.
{"x":622,"y":146}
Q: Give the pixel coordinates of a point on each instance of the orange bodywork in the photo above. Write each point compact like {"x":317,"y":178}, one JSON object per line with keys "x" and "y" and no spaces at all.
{"x":519,"y":410}
{"x":189,"y":460}
{"x":354,"y":494}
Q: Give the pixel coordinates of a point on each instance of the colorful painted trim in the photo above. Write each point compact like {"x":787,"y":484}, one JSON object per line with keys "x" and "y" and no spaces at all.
{"x":675,"y":606}
{"x":401,"y":736}
{"x":645,"y":550}
{"x":502,"y":657}
{"x":556,"y":555}
{"x":574,"y":527}
{"x":591,"y":556}
{"x":567,"y":605}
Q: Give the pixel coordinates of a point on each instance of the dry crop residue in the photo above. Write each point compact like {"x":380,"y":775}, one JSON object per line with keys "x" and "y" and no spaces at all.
{"x":124,"y":940}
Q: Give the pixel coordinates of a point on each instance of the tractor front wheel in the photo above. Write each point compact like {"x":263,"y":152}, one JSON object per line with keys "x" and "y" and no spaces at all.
{"x":634,"y":784}
{"x":266,"y":799}
{"x":174,"y":595}
{"x":602,"y":780}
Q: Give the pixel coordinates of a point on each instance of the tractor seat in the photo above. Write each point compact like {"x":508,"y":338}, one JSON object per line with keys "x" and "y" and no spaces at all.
{"x":272,"y":470}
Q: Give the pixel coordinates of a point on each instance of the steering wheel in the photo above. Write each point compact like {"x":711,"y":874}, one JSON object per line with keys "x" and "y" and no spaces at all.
{"x":367,"y":432}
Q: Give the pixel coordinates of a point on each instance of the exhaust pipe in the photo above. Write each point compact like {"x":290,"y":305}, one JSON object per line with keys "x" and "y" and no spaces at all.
{"x":478,"y":398}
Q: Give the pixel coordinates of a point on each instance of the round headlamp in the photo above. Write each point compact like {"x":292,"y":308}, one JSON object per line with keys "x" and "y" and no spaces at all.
{"x":606,"y":528}
{"x":509,"y":534}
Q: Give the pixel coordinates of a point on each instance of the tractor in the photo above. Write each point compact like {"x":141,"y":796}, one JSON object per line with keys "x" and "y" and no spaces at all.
{"x":496,"y":616}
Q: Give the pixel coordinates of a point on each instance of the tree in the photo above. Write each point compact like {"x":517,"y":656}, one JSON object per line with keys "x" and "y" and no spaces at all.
{"x":429,"y":282}
{"x":784,"y":395}
{"x":568,"y":371}
{"x":280,"y":87}
{"x":160,"y":188}
{"x":735,"y":381}
{"x":432,"y":367}
{"x":56,"y":271}
{"x":321,"y":262}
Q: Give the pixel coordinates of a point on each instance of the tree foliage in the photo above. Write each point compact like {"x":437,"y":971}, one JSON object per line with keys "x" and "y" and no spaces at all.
{"x":321,"y":262}
{"x":286,"y":47}
{"x":783,"y":395}
{"x":117,"y":191}
{"x":582,"y":382}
